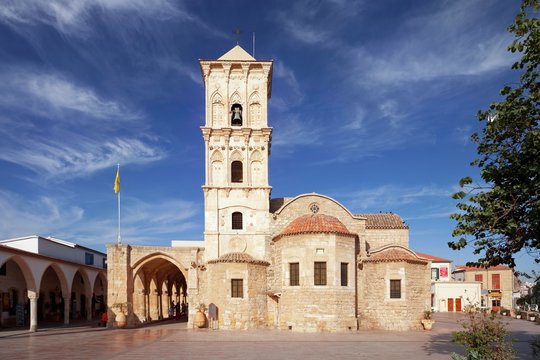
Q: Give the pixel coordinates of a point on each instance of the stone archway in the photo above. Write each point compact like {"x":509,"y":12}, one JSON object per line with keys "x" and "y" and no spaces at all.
{"x":99,"y":296}
{"x":14,"y":290}
{"x":158,"y":283}
{"x":52,"y":296}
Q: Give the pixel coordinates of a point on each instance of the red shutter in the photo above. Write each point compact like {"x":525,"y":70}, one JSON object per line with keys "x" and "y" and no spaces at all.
{"x":496,"y":281}
{"x":478,"y":277}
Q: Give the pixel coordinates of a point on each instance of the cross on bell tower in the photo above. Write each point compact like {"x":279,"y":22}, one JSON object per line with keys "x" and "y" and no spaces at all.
{"x":237,"y":146}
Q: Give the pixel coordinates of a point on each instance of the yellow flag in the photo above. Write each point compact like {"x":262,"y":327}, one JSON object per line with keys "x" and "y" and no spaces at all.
{"x":117,"y":182}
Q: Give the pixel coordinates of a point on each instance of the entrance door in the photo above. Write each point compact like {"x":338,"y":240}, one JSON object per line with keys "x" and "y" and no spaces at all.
{"x":450,"y":304}
{"x":496,"y":304}
{"x":458,"y":304}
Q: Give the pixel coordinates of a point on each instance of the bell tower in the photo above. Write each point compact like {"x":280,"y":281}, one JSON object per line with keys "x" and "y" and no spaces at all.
{"x":237,"y":143}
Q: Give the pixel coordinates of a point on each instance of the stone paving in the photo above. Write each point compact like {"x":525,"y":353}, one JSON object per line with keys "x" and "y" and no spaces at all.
{"x":172,"y":340}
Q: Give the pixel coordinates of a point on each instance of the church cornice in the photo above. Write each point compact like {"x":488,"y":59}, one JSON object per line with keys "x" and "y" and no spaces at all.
{"x":239,"y":131}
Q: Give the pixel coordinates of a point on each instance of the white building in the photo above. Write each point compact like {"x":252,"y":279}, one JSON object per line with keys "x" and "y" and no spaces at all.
{"x":448,"y":295}
{"x":50,"y":280}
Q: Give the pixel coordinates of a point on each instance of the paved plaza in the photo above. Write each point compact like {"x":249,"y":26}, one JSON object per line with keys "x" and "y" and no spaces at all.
{"x":172,"y":340}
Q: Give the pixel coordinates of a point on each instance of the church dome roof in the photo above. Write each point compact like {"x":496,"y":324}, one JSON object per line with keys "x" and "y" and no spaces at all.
{"x":313,"y":224}
{"x":238,"y":257}
{"x":393,"y":254}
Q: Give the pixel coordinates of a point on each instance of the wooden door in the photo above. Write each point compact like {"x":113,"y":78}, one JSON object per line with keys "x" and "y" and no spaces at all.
{"x":450,"y":304}
{"x":458,"y":304}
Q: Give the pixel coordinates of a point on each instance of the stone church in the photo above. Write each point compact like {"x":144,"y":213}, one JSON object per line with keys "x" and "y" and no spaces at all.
{"x":305,"y":263}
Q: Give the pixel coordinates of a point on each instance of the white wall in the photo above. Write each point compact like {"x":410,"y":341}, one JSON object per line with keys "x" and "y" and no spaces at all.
{"x":468,"y":292}
{"x":28,"y":244}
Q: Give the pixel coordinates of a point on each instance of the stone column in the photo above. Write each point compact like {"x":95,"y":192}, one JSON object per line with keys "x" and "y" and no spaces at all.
{"x":67,"y":302}
{"x":145,"y":312}
{"x":158,"y":305}
{"x":88,"y":308}
{"x":33,"y":310}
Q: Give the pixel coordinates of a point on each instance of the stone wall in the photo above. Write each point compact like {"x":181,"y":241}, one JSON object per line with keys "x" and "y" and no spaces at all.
{"x":309,"y":307}
{"x":378,"y":311}
{"x":237,"y":313}
{"x":376,"y":238}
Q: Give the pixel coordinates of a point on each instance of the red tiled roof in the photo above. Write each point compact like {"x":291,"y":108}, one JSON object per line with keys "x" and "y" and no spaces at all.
{"x":238,"y":257}
{"x":314,"y":223}
{"x":431,"y":257}
{"x":472,"y":268}
{"x":392,"y":254}
{"x":384,"y":221}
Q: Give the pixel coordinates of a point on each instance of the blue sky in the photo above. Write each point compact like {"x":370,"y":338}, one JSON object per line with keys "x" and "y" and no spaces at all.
{"x":373,"y":103}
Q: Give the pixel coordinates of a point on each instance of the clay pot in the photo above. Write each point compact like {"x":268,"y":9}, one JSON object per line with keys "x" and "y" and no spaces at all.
{"x":200,"y":319}
{"x":121,"y":320}
{"x":427,"y":324}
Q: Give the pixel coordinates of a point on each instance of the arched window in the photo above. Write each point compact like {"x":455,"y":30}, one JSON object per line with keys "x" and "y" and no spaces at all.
{"x":236,"y":172}
{"x":237,"y":220}
{"x":236,"y":115}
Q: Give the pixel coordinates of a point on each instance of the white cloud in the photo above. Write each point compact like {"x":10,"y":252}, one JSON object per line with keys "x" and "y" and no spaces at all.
{"x":286,"y":74}
{"x":177,"y":66}
{"x":292,"y":131}
{"x":390,"y":197}
{"x":72,"y":17}
{"x":78,"y":157}
{"x":59,"y":129}
{"x":51,"y":94}
{"x":21,"y":217}
{"x":142,"y":222}
{"x":444,"y":43}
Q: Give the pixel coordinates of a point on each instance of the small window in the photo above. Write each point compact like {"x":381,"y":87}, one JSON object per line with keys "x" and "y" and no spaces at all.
{"x":237,"y":221}
{"x":320,"y":273}
{"x":236,"y":172}
{"x":3,"y":269}
{"x":294,"y":274}
{"x":434,"y":274}
{"x":237,"y":288}
{"x":344,"y":274}
{"x":89,"y":259}
{"x":395,"y":289}
{"x":104,"y":261}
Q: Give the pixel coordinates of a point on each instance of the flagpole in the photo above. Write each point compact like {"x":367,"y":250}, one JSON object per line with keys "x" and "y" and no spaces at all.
{"x":119,"y":237}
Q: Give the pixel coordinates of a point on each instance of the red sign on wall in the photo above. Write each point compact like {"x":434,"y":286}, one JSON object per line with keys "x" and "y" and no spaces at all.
{"x":443,"y":272}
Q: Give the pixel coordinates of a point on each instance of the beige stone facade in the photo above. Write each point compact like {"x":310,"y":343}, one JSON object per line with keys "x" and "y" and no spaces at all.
{"x":497,"y":284}
{"x":302,"y":264}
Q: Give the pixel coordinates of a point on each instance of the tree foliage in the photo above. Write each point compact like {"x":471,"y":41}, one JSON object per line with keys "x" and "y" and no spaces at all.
{"x":484,"y":337}
{"x":501,"y":216}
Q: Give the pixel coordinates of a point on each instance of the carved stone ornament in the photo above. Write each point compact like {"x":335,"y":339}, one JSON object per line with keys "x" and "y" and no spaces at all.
{"x":314,"y":208}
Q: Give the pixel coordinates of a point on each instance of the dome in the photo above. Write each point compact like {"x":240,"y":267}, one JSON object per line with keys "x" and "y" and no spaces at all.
{"x":238,"y":257}
{"x":314,"y":224}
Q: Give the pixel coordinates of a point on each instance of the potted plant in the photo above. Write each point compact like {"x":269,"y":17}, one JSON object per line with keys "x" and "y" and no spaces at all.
{"x":427,"y":322}
{"x":518,"y":314}
{"x":200,"y":317}
{"x":504,"y":312}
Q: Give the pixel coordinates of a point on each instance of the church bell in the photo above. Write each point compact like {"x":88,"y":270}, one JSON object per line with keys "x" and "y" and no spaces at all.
{"x":237,"y":116}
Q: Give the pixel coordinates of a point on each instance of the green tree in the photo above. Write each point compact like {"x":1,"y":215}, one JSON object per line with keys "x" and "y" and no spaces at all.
{"x":501,"y":216}
{"x":484,"y":337}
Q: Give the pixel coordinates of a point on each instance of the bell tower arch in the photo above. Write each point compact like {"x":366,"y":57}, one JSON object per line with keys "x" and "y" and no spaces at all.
{"x":237,"y":142}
